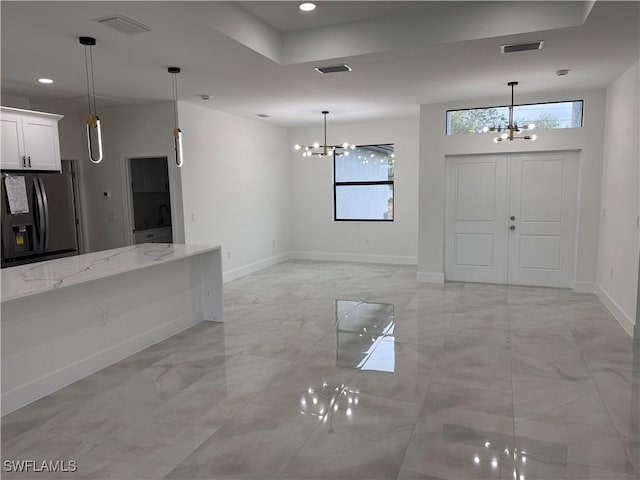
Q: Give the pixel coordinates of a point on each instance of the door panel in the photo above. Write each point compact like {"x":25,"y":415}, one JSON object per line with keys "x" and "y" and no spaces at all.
{"x":474,"y":250}
{"x":476,"y":188}
{"x":542,"y":252}
{"x":475,"y":224}
{"x":543,"y":197}
{"x":542,"y":184}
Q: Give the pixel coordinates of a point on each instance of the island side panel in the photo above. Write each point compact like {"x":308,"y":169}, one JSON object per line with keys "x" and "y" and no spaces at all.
{"x":52,"y":339}
{"x":209,"y":268}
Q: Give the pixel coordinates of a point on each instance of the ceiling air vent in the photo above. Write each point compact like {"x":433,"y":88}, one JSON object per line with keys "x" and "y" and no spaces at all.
{"x":333,"y":69}
{"x":262,"y":115}
{"x":122,"y":24}
{"x":522,"y":47}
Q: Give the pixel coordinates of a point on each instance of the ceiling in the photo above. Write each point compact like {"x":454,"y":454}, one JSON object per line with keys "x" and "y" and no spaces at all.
{"x":259,"y":57}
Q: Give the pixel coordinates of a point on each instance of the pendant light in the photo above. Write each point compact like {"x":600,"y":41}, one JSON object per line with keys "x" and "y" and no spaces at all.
{"x":177,"y":133}
{"x":509,"y":132}
{"x":324,"y":150}
{"x":92,"y":119}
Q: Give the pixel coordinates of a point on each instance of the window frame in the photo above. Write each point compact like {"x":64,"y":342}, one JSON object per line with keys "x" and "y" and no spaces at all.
{"x":446,"y":116}
{"x":364,"y":183}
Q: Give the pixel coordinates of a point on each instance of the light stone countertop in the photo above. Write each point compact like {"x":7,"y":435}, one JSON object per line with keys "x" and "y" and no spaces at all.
{"x":25,"y":280}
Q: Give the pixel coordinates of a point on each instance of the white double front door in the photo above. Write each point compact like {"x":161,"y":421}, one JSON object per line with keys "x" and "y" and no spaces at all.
{"x":511,"y":218}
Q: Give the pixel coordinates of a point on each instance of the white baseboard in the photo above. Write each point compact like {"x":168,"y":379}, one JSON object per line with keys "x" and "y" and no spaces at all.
{"x":584,"y":287}
{"x":430,"y":277}
{"x":619,"y":314}
{"x":30,"y":392}
{"x":254,"y":267}
{"x":355,"y":257}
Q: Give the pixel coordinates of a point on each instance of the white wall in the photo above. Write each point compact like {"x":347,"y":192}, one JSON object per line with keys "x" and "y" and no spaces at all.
{"x":237,"y":186}
{"x":618,"y":247}
{"x":435,"y":146}
{"x":128,"y":131}
{"x":314,"y":233}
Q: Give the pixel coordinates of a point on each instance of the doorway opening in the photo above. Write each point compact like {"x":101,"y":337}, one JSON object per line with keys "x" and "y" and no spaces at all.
{"x":150,"y":200}
{"x":512,"y":218}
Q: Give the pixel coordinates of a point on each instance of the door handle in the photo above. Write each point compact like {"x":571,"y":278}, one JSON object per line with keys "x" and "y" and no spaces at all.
{"x":512,"y":218}
{"x":45,"y":203}
{"x":512,"y":227}
{"x":39,"y":212}
{"x":29,"y":160}
{"x":24,"y":161}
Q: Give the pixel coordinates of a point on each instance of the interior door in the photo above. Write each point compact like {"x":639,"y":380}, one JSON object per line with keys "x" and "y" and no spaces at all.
{"x":542,"y":218}
{"x":476,"y":239}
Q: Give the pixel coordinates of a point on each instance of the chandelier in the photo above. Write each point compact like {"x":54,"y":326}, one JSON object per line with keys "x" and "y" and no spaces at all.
{"x":325,"y":150}
{"x":512,"y":130}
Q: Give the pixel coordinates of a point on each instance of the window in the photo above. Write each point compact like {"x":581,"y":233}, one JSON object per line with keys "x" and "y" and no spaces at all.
{"x":544,"y":115}
{"x":363,"y":184}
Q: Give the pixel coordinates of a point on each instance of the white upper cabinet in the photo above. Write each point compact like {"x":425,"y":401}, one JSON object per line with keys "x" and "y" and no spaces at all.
{"x":29,"y":140}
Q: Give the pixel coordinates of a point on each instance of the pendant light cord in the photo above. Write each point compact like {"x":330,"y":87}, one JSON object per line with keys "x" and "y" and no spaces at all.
{"x":511,"y":110}
{"x":325,"y":130}
{"x":91,"y":87}
{"x":174,"y":82}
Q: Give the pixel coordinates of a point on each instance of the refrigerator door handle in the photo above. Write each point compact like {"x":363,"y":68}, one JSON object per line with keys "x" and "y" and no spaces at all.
{"x":45,"y":202}
{"x":39,"y":211}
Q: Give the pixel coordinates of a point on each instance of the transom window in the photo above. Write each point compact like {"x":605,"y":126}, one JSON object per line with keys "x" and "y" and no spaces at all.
{"x":544,"y":115}
{"x":363,"y":184}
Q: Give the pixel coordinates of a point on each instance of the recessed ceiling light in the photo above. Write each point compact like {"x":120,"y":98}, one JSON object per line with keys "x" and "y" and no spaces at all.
{"x":562,"y":72}
{"x":45,"y":80}
{"x":307,"y":6}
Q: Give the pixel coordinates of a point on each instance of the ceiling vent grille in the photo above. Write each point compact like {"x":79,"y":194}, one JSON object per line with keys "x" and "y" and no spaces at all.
{"x":522,"y":47}
{"x":123,"y":24}
{"x":100,"y":100}
{"x":333,"y":69}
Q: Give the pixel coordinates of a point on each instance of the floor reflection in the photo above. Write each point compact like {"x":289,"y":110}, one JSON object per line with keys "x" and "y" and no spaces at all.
{"x":364,"y":335}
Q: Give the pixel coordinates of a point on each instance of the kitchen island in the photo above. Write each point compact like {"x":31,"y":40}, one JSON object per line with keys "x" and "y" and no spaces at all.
{"x":65,"y":319}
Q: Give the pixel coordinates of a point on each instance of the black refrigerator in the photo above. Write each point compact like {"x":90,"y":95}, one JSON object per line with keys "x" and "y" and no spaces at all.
{"x":38,"y":217}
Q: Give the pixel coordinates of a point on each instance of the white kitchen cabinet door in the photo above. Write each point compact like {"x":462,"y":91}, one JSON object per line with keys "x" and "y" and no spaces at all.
{"x":12,"y":142}
{"x":42,"y":145}
{"x":29,"y":140}
{"x":511,"y":219}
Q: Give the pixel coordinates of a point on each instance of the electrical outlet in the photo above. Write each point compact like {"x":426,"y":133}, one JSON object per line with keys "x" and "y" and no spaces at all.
{"x":103,"y":317}
{"x":193,"y":217}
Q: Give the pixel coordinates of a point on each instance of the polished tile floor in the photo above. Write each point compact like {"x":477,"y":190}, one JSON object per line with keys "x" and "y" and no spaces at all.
{"x":353,"y":371}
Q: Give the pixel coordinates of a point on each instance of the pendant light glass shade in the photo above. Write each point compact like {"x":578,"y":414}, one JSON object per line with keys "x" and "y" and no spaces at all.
{"x":93,"y":121}
{"x":177,"y":133}
{"x":324,"y":150}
